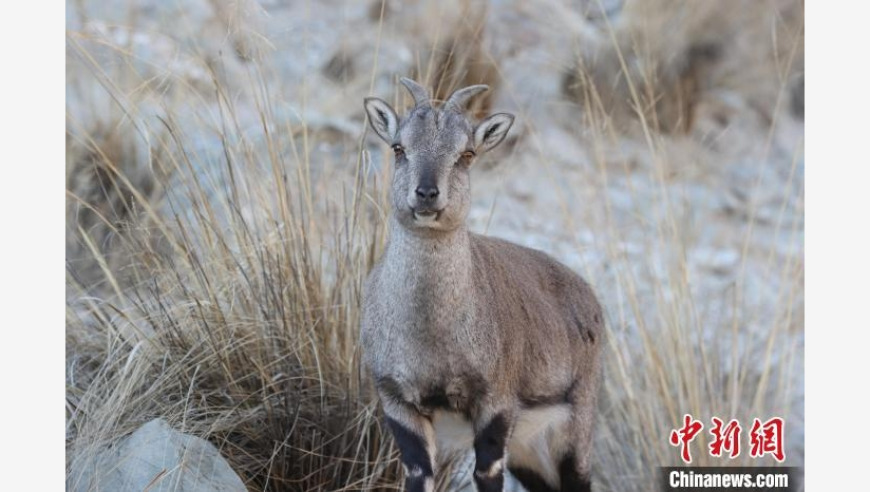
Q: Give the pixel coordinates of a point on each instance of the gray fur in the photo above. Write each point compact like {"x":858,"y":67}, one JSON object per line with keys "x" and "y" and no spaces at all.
{"x":470,"y":325}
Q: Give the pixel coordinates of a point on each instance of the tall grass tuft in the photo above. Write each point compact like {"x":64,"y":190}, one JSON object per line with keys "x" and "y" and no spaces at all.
{"x":230,"y":308}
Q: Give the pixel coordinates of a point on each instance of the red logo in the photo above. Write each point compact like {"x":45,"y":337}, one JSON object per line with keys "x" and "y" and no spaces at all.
{"x":767,"y":438}
{"x":684,"y":436}
{"x":725,"y":438}
{"x":764,"y":438}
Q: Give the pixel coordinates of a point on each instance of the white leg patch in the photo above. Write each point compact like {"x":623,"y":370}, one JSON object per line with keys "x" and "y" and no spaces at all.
{"x":494,"y":470}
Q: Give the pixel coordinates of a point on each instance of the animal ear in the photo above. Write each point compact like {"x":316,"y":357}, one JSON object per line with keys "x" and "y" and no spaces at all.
{"x":383,"y":119}
{"x":491,"y":131}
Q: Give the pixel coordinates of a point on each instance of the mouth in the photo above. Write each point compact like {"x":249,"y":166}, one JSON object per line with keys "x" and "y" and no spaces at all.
{"x":425,"y":217}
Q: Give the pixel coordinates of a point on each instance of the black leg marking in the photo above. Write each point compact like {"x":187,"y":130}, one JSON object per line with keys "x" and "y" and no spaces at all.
{"x":571,"y":478}
{"x":531,"y":480}
{"x":415,"y":456}
{"x":489,"y":449}
{"x":389,"y":389}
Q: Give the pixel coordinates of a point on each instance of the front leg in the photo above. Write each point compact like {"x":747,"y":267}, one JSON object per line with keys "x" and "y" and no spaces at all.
{"x":415,"y":438}
{"x":491,"y":433}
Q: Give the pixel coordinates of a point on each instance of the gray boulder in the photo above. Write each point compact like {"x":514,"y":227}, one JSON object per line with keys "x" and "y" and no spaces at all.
{"x":158,"y":458}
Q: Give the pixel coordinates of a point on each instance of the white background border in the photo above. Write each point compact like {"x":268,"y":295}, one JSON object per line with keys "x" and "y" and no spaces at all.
{"x":32,"y":354}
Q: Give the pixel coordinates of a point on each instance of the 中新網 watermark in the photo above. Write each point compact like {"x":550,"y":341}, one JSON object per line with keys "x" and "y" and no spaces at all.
{"x":765,"y":438}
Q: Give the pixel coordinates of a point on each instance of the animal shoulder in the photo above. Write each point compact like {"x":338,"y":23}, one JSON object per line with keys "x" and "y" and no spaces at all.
{"x":521,"y":263}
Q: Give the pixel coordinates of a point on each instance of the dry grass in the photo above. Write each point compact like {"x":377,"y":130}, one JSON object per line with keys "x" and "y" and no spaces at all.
{"x":214,"y":281}
{"x":234,"y":314}
{"x":461,"y":59}
{"x":675,"y":52}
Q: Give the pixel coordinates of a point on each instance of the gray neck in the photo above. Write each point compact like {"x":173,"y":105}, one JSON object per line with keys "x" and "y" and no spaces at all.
{"x":434,"y":268}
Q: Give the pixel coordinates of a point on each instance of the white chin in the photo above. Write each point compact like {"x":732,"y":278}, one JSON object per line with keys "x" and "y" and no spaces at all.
{"x":426,"y":220}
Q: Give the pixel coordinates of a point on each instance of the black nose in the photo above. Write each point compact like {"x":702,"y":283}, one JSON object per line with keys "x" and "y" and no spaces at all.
{"x":427,"y":192}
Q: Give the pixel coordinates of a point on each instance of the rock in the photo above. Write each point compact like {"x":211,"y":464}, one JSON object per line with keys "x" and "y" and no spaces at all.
{"x":158,"y":458}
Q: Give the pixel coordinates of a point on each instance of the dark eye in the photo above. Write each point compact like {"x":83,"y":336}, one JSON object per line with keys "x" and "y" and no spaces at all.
{"x":466,"y":156}
{"x":399,"y":150}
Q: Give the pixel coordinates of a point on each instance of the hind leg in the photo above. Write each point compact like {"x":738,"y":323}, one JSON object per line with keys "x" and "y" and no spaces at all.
{"x":531,"y":480}
{"x":571,"y":470}
{"x":575,"y":464}
{"x":541,"y":438}
{"x":574,"y":474}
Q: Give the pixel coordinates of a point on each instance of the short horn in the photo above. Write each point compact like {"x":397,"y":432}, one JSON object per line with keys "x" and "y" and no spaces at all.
{"x":460,"y":98}
{"x":421,"y":96}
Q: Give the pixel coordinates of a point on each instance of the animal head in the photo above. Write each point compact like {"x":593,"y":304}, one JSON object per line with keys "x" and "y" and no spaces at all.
{"x":435,"y":148}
